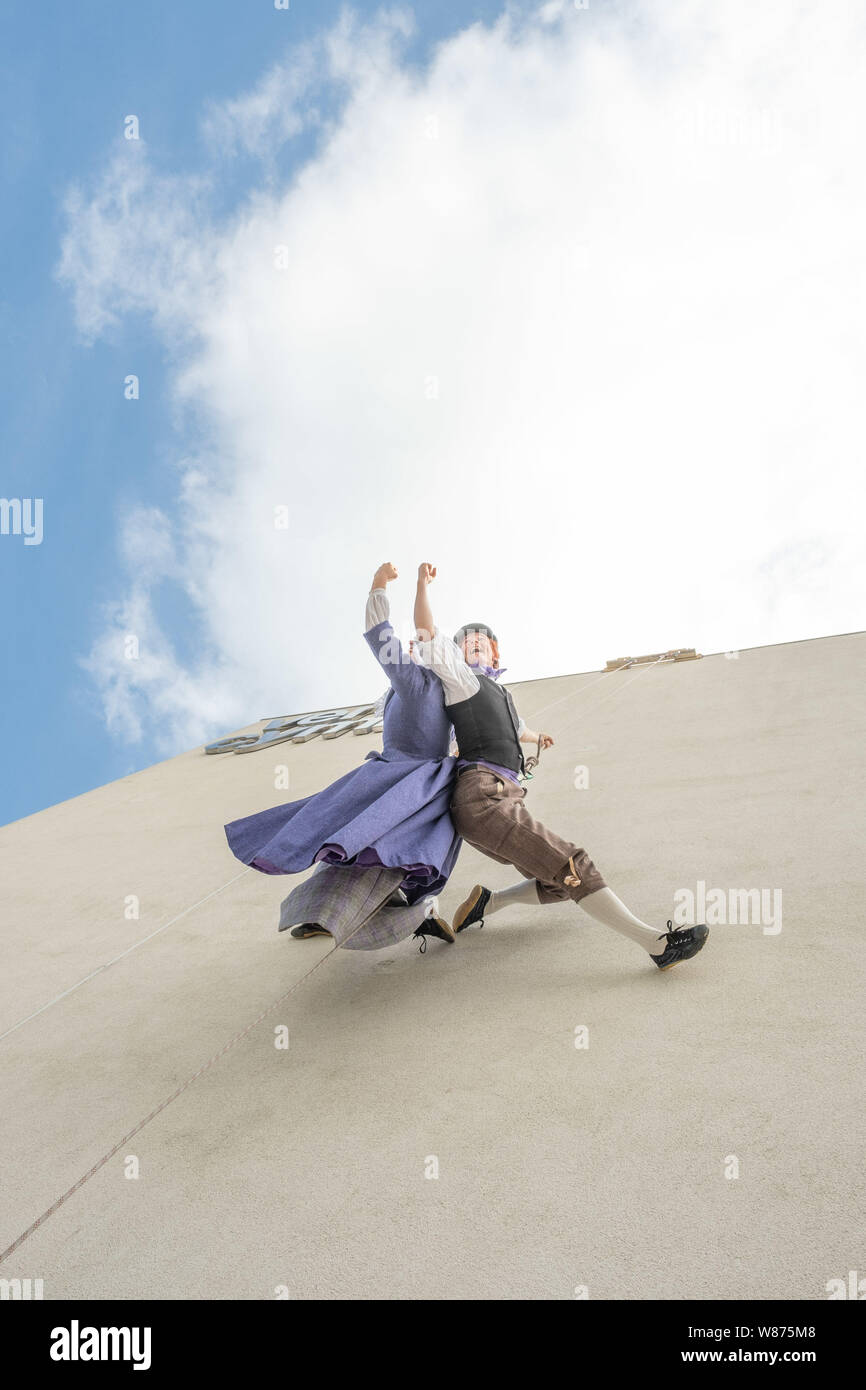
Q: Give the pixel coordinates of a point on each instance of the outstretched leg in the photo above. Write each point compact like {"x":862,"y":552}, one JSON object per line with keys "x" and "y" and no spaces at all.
{"x":490,"y":815}
{"x":603,"y":905}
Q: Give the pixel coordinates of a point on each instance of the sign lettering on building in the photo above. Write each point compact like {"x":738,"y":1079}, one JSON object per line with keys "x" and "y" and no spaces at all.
{"x":301,"y":728}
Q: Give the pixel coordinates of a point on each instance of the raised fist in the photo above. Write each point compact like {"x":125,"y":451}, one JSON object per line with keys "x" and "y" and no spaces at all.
{"x":383,"y":574}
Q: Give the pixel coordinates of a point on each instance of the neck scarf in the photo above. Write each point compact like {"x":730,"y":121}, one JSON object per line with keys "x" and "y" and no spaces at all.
{"x":492,"y":672}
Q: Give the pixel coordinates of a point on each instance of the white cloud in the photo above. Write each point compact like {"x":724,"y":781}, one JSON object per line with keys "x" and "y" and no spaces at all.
{"x":276,"y":110}
{"x":575,"y":312}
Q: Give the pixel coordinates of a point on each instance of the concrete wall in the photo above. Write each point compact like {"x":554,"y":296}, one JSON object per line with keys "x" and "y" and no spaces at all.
{"x":558,"y":1167}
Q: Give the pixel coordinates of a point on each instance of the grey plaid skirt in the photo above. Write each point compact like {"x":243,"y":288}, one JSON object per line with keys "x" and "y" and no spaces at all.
{"x":352,"y":902}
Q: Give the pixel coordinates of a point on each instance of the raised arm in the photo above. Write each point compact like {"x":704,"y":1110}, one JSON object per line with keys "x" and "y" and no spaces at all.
{"x":424,"y":625}
{"x":378,"y":608}
{"x":383,"y":641}
{"x":436,"y":650}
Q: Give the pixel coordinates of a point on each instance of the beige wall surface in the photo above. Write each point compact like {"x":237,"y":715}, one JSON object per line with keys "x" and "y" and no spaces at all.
{"x":606,"y":1167}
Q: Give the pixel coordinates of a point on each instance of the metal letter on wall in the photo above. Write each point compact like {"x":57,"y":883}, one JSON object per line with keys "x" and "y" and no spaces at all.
{"x":301,"y":728}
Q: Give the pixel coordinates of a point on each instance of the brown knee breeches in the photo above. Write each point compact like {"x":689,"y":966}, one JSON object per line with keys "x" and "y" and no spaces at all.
{"x":489,"y":813}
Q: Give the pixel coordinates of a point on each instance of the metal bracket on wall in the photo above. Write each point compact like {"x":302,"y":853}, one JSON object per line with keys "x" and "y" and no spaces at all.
{"x":620,"y":663}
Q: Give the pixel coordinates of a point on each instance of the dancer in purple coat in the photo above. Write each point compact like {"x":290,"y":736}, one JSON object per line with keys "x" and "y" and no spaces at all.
{"x":382,"y":835}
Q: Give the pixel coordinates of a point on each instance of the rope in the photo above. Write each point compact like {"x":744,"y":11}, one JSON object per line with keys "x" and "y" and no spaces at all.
{"x":134,"y":947}
{"x":55,"y":1206}
{"x":533,"y":761}
{"x":618,"y":689}
{"x":157,"y":1110}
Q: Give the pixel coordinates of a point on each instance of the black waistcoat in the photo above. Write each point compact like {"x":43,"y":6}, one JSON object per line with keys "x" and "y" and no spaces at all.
{"x":486,"y":726}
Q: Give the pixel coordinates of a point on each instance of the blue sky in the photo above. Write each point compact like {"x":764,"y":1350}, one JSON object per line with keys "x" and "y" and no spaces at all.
{"x":70,"y":73}
{"x":572,"y":308}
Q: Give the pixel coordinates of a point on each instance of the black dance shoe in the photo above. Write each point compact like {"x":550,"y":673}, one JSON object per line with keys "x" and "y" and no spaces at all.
{"x":681,"y":945}
{"x":472,"y":910}
{"x":433,"y":926}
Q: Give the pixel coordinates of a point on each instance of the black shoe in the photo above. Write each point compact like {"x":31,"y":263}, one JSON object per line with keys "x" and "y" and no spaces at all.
{"x":308,"y":929}
{"x":681,"y":945}
{"x":433,"y":926}
{"x":472,"y":910}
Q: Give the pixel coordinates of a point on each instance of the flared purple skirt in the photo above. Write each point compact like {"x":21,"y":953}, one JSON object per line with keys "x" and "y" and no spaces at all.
{"x":391,"y":811}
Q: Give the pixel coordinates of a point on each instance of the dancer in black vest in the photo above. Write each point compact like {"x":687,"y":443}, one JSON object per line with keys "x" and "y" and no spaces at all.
{"x":488,"y":804}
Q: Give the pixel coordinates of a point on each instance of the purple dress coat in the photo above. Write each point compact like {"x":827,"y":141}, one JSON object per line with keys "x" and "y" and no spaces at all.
{"x":390,"y":811}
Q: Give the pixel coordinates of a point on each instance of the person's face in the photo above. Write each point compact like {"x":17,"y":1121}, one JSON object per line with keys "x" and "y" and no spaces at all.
{"x":478,"y":649}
